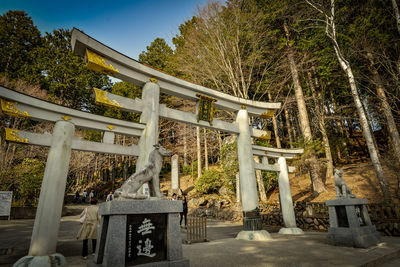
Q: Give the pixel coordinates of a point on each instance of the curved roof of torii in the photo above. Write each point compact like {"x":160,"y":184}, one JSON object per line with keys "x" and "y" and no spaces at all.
{"x":130,"y":70}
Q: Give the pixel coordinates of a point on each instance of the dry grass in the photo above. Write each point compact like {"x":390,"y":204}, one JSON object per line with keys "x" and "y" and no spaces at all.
{"x":360,"y":177}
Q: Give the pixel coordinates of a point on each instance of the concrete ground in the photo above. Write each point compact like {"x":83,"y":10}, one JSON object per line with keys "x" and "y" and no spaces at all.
{"x":222,"y":249}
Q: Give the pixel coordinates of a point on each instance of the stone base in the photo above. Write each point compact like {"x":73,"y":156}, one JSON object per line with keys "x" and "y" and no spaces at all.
{"x":121,"y":235}
{"x":361,"y":237}
{"x":260,"y":235}
{"x":176,"y":263}
{"x":53,"y":260}
{"x":291,"y":231}
{"x":252,"y":223}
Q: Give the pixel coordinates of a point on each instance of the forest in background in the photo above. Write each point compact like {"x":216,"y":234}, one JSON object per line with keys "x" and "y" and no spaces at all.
{"x":334,"y":66}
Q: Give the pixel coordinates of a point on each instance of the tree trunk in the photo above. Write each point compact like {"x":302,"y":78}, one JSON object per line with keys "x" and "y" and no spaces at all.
{"x":317,"y":183}
{"x":198,"y":152}
{"x":275,"y":124}
{"x":342,"y":131}
{"x":321,"y":123}
{"x":367,"y":133}
{"x":387,"y":111}
{"x":260,"y":182}
{"x":397,"y":14}
{"x":205,"y":149}
{"x":295,"y":126}
{"x":185,"y":162}
{"x":289,"y":129}
{"x":219,"y":141}
{"x":345,"y":65}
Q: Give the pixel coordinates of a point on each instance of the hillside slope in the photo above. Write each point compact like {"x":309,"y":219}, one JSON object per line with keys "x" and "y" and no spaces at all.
{"x":359,"y":177}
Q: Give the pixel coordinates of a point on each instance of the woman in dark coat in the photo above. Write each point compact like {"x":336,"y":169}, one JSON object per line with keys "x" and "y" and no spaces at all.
{"x":184,"y":211}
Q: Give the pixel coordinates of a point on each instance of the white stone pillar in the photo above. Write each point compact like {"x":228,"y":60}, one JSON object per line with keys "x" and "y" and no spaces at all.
{"x":237,"y":187}
{"x":150,"y":115}
{"x":248,"y":185}
{"x":48,"y":214}
{"x":175,"y":185}
{"x":252,"y":224}
{"x":285,"y":197}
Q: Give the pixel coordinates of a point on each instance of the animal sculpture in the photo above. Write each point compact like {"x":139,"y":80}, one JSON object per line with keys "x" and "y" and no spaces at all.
{"x":342,"y":190}
{"x":150,"y":173}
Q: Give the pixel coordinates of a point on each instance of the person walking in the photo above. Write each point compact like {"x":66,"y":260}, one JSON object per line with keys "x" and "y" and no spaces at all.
{"x":84,"y":196}
{"x":90,"y":220}
{"x":184,"y":211}
{"x":110,"y":197}
{"x":77,"y":196}
{"x":91,"y":195}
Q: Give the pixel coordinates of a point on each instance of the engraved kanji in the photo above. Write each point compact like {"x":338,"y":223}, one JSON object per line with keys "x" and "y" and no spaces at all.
{"x":146,"y":227}
{"x":146,"y":250}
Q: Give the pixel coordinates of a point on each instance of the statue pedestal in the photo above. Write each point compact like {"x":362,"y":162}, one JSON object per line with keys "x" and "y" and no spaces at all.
{"x":140,"y":233}
{"x":350,"y":224}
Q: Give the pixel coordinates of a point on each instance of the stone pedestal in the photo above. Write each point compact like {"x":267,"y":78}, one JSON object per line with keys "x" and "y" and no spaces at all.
{"x":350,"y":224}
{"x":139,"y":233}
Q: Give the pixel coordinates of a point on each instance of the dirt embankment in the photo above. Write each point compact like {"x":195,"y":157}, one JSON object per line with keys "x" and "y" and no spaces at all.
{"x":359,"y":177}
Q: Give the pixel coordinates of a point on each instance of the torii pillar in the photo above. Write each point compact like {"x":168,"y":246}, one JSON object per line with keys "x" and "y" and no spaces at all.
{"x":252,"y":223}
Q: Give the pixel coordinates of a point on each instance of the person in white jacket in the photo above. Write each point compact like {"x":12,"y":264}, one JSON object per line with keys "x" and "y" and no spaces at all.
{"x":110,"y":197}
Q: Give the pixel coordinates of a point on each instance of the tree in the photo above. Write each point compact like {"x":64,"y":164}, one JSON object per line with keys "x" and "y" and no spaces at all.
{"x":222,"y":47}
{"x":330,"y":31}
{"x":62,"y":73}
{"x":317,"y":184}
{"x":158,"y":55}
{"x":18,"y":36}
{"x":128,"y":90}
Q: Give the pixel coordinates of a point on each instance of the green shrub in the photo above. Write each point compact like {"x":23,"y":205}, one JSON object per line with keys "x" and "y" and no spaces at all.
{"x":187,"y":170}
{"x":270,"y":180}
{"x":209,"y":182}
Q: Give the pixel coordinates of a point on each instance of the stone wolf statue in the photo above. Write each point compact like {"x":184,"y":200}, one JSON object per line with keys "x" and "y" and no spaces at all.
{"x":150,"y":174}
{"x":342,"y":190}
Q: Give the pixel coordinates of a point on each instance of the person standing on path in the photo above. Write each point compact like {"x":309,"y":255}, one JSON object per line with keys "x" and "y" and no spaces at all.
{"x":184,"y":211}
{"x":84,"y":196}
{"x":110,"y":197}
{"x":91,"y":195}
{"x":90,"y":217}
{"x":77,"y":196}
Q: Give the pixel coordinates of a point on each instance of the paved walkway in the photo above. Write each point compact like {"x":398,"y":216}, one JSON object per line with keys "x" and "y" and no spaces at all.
{"x":222,"y":249}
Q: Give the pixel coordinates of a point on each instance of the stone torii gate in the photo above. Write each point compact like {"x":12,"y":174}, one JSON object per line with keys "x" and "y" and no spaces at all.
{"x":61,"y":142}
{"x":102,"y":58}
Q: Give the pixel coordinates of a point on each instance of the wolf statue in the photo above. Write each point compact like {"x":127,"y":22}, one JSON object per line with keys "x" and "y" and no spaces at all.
{"x":342,"y":190}
{"x":150,"y":174}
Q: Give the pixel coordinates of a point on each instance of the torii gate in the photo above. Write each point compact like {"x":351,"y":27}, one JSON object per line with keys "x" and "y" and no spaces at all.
{"x":62,"y":140}
{"x":102,"y":58}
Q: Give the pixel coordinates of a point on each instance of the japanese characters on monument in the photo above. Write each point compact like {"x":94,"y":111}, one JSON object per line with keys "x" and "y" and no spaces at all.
{"x":146,"y":238}
{"x":144,"y":229}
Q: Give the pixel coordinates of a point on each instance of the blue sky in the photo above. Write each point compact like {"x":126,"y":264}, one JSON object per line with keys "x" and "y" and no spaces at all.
{"x":126,"y":26}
